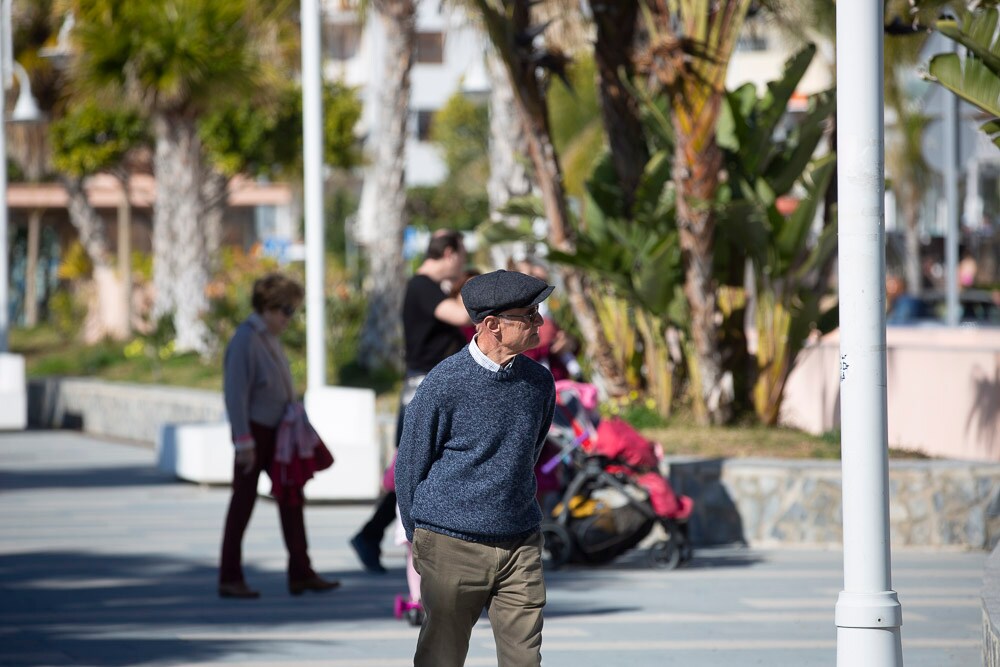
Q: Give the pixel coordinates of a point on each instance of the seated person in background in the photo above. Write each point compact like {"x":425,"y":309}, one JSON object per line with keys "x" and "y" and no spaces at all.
{"x":903,"y":307}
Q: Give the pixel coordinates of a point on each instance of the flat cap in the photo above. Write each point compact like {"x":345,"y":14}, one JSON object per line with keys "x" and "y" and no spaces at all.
{"x":493,"y":293}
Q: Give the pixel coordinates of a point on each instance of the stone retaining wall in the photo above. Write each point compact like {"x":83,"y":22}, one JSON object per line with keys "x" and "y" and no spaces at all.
{"x":118,"y":409}
{"x":770,"y":502}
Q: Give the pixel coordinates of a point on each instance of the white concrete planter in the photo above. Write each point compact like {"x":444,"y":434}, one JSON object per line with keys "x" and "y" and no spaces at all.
{"x":345,"y":420}
{"x":196,"y":452}
{"x":13,"y":393}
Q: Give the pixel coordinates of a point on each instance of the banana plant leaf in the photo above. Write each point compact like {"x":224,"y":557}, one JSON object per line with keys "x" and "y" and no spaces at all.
{"x":976,"y":77}
{"x":747,"y":123}
{"x":767,"y":169}
{"x":992,"y":129}
{"x":969,"y":78}
{"x":786,"y":167}
{"x":790,"y":239}
{"x":978,"y":34}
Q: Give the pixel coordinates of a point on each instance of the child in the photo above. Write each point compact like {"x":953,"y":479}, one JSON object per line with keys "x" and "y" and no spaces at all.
{"x":410,"y":606}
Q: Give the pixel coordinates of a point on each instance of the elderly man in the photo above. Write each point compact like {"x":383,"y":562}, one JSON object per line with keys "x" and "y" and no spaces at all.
{"x":465,"y":481}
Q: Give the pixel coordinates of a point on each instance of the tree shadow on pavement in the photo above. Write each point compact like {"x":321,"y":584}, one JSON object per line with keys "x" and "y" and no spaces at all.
{"x":79,"y":478}
{"x":75,"y":607}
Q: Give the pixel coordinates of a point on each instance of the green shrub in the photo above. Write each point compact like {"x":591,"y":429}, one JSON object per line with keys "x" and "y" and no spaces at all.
{"x":66,"y":312}
{"x":638,"y":411}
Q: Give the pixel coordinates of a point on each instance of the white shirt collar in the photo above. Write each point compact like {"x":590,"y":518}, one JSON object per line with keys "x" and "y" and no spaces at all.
{"x":483,"y":360}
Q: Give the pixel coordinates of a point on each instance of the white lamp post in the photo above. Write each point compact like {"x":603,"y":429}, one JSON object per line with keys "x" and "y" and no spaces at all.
{"x":344,"y":418}
{"x":868,"y":614}
{"x":13,"y":394}
{"x":312,"y":144}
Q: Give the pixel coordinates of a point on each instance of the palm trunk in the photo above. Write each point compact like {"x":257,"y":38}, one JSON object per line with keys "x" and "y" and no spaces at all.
{"x":89,"y":225}
{"x":214,"y":190}
{"x":381,"y":338}
{"x":549,"y":176}
{"x":125,"y":252}
{"x":529,"y":100}
{"x":104,"y":308}
{"x":911,"y":219}
{"x":696,"y":176}
{"x":31,"y":268}
{"x":180,"y":272}
{"x":616,"y":27}
{"x":508,"y":145}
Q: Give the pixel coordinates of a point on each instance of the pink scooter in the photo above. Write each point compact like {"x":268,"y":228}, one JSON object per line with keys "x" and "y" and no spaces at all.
{"x":413,"y":611}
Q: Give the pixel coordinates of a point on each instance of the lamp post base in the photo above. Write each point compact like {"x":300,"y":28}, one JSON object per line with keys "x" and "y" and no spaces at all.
{"x":868,"y":629}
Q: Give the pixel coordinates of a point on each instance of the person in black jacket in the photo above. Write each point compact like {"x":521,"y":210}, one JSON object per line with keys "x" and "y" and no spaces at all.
{"x":431,"y":332}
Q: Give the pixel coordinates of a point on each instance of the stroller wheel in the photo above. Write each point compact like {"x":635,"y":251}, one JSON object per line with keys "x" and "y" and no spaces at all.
{"x":665,"y":555}
{"x":557,"y":546}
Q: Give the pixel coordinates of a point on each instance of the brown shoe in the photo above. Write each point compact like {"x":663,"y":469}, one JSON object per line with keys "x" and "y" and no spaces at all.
{"x":238,"y":589}
{"x":313,"y":583}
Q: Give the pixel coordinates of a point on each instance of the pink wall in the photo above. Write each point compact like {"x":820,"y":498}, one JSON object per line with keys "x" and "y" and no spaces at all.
{"x":943,"y":390}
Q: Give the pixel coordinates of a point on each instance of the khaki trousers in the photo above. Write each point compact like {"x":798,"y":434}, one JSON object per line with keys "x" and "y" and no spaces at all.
{"x":458,"y":579}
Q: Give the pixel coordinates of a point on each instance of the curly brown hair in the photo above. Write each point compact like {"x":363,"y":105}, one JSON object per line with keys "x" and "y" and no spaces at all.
{"x":276,"y":290}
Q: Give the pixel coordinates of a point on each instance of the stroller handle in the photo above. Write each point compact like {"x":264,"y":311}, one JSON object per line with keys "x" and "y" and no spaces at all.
{"x":568,"y":447}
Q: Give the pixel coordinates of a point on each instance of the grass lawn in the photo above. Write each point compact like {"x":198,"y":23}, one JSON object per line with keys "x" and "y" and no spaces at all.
{"x":48,"y":353}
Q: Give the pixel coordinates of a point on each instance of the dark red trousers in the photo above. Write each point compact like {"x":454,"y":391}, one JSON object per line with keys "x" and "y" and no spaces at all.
{"x":293,"y":527}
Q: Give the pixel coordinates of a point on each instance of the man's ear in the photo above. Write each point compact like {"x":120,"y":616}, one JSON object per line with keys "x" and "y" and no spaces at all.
{"x":492,"y":325}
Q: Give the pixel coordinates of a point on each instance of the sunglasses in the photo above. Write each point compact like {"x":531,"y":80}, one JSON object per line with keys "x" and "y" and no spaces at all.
{"x":526,"y":317}
{"x":287,"y":311}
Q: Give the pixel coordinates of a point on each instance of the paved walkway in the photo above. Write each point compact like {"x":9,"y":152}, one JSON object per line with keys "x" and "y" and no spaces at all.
{"x":104,"y":561}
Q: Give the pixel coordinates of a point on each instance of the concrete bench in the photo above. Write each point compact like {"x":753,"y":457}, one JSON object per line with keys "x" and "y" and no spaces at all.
{"x":344,"y":418}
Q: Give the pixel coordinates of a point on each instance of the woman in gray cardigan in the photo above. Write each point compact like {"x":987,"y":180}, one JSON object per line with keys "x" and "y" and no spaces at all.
{"x":258,"y":387}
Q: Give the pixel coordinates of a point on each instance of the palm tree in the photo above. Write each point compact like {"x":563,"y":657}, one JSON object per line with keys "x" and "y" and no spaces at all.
{"x":688,"y":55}
{"x":87,"y":140}
{"x":508,"y":149}
{"x":175,"y":60}
{"x":512,"y":32}
{"x":381,"y":337}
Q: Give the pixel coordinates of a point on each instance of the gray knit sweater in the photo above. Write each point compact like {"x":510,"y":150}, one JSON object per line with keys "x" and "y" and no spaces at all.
{"x":471,"y":436}
{"x":257,"y":380}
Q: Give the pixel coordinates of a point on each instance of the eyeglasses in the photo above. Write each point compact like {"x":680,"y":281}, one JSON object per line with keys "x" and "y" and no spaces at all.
{"x":526,"y":317}
{"x":287,"y":311}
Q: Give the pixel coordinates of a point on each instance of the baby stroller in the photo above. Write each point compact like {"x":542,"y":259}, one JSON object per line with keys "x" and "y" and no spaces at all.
{"x":604,"y":510}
